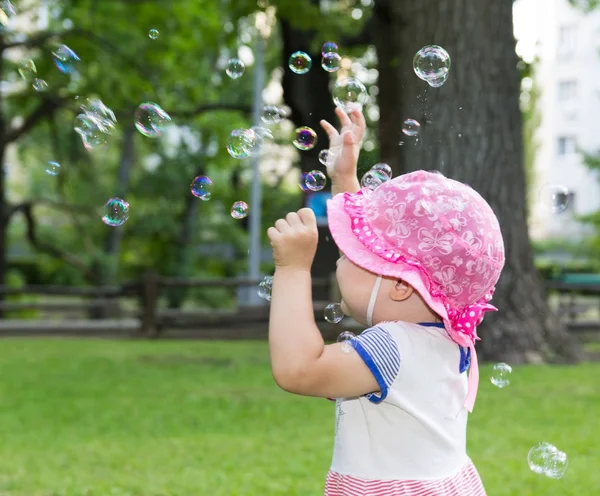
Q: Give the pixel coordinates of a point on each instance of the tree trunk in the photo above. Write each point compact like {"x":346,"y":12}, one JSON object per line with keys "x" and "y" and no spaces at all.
{"x":309,"y":98}
{"x":471,"y":131}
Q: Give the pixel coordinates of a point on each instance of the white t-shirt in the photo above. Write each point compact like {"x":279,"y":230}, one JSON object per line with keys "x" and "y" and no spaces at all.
{"x":415,"y":429}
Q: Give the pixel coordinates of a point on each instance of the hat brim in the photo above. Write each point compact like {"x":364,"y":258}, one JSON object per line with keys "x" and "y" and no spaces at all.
{"x":340,"y":226}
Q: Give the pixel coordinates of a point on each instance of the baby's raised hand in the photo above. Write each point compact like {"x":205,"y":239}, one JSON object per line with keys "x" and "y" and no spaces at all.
{"x":294,"y":240}
{"x":345,"y":144}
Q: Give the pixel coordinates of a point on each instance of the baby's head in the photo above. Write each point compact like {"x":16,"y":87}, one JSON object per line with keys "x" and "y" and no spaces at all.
{"x":419,"y":248}
{"x":393,"y":299}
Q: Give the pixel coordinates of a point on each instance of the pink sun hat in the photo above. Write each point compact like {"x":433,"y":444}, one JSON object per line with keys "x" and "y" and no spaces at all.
{"x":438,"y":235}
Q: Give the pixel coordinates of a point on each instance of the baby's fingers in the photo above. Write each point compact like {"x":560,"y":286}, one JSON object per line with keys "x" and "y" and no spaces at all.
{"x":329,"y":129}
{"x":358,"y":119}
{"x":343,"y":117}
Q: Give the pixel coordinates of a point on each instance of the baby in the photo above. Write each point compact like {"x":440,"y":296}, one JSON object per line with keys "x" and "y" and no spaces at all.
{"x":421,"y":255}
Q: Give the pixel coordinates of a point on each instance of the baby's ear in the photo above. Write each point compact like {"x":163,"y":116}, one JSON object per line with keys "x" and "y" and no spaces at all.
{"x":401,"y":291}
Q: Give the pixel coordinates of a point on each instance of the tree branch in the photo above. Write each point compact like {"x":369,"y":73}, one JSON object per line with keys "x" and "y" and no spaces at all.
{"x":44,"y":109}
{"x":27,"y":210}
{"x":210,"y":107}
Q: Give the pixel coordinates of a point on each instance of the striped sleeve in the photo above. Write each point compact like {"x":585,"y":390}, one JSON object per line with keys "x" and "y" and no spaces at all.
{"x":379,"y":351}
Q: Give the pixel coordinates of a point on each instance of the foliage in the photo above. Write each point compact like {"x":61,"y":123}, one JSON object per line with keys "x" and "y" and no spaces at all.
{"x":180,"y":418}
{"x":183,"y":71}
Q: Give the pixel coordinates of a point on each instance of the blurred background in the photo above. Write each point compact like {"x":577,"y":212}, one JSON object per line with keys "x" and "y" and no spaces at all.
{"x":147,"y":146}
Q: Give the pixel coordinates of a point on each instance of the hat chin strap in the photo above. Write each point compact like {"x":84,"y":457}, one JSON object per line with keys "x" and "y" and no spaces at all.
{"x":372,"y":301}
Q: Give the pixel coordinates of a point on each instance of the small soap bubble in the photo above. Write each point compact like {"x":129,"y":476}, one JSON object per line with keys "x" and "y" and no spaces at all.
{"x":384,"y":168}
{"x":39,"y":85}
{"x":201,"y":187}
{"x":116,"y":212}
{"x":501,"y":375}
{"x":373,"y":179}
{"x":65,"y":59}
{"x":411,"y":127}
{"x":241,"y":143}
{"x":331,"y":62}
{"x":235,"y":68}
{"x":27,"y":70}
{"x":329,"y":47}
{"x":432,"y":64}
{"x":349,"y":94}
{"x":151,"y":120}
{"x":153,"y":34}
{"x":345,"y":338}
{"x":300,"y":62}
{"x":315,"y":180}
{"x":272,"y":114}
{"x":239,"y":210}
{"x":554,"y":198}
{"x":265,"y":287}
{"x":52,"y":168}
{"x":306,"y":138}
{"x":326,"y":157}
{"x":333,"y":313}
{"x":544,"y":458}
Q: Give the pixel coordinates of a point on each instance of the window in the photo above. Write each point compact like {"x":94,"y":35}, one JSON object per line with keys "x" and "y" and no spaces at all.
{"x":567,"y":40}
{"x":567,"y":90}
{"x":566,"y":145}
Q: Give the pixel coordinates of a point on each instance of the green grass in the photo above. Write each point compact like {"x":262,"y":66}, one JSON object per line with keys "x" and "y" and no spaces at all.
{"x":100,"y":418}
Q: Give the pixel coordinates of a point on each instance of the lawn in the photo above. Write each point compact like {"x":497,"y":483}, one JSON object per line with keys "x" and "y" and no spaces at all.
{"x":99,"y":418}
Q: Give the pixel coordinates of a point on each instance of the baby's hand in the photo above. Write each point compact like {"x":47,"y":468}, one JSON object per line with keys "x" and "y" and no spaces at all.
{"x":294,"y":240}
{"x":344,"y":145}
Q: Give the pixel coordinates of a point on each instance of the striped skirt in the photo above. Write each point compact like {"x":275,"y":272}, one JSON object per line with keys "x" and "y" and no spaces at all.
{"x":465,"y":483}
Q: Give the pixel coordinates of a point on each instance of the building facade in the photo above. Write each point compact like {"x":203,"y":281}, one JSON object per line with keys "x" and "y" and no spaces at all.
{"x":567,"y":47}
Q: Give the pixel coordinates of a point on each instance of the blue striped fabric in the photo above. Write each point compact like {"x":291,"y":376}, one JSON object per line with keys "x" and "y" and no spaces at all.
{"x":380,"y":352}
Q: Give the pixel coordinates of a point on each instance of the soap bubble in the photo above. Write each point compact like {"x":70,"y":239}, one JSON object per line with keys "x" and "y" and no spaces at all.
{"x":241,"y":143}
{"x":201,"y":187}
{"x":501,"y":375}
{"x":326,"y":157}
{"x":329,"y":47}
{"x":6,"y":12}
{"x":432,"y":64}
{"x":306,"y":138}
{"x":153,"y":34}
{"x":411,"y":127}
{"x":239,"y":210}
{"x":116,"y":212}
{"x":331,"y":62}
{"x":373,"y":179}
{"x":544,"y":458}
{"x":265,"y":287}
{"x":102,"y":116}
{"x":346,"y":338}
{"x":315,"y":180}
{"x":302,"y":182}
{"x":300,"y":62}
{"x":27,"y":70}
{"x":65,"y":59}
{"x":39,"y":85}
{"x":151,"y":120}
{"x":272,"y":114}
{"x":349,"y":94}
{"x":554,"y":198}
{"x":91,"y":135}
{"x":235,"y":68}
{"x":383,"y":167}
{"x":333,"y":313}
{"x":53,"y":168}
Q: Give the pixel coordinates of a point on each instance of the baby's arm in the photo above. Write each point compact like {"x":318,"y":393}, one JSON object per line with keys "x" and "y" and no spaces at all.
{"x":300,"y":361}
{"x":345,"y":147}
